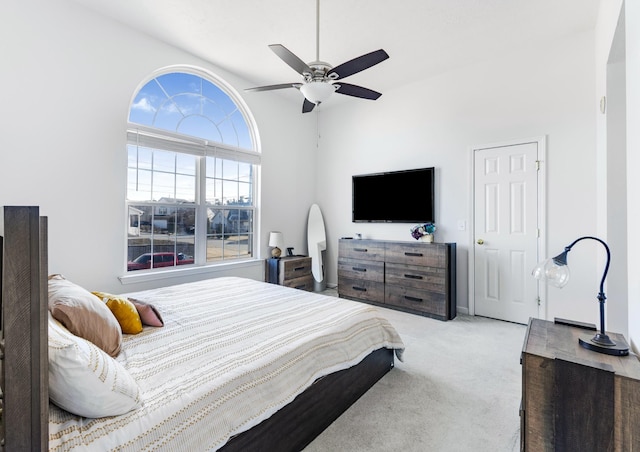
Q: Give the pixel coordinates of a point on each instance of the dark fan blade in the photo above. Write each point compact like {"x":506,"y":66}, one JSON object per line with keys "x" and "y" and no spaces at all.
{"x":307,"y":106}
{"x":288,"y":57}
{"x":358,"y":64}
{"x":357,"y":91}
{"x":272,"y":87}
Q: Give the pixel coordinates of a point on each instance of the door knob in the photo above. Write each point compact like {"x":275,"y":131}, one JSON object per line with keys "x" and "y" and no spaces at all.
{"x":480,"y":242}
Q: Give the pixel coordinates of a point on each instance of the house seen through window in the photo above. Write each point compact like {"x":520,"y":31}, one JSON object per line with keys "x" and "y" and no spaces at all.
{"x":191,"y":184}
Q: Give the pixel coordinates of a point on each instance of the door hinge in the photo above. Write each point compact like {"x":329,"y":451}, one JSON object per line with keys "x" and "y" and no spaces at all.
{"x":538,"y":232}
{"x":538,"y":299}
{"x":537,"y":165}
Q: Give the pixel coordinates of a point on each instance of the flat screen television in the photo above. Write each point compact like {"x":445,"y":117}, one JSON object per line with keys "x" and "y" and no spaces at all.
{"x":394,"y":197}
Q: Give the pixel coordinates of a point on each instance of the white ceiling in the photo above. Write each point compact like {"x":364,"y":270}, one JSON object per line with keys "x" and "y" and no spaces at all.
{"x":422,"y":37}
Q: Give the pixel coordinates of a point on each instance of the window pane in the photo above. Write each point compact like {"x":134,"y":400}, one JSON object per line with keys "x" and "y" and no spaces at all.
{"x":230,"y":170}
{"x":186,"y":188}
{"x":230,"y":234}
{"x":163,"y":186}
{"x":211,"y":166}
{"x":139,"y":185}
{"x":164,"y":161}
{"x":245,"y":172}
{"x":146,"y":103}
{"x":171,"y":101}
{"x":244,"y":194}
{"x":160,"y":236}
{"x":240,"y":125}
{"x":186,"y":164}
{"x":214,"y":192}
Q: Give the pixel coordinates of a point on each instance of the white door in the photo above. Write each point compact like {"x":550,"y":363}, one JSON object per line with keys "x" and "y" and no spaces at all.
{"x":506,"y":231}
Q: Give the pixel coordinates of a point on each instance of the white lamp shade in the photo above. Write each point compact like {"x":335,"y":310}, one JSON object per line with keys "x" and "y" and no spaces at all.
{"x":317,"y":92}
{"x":276,"y":239}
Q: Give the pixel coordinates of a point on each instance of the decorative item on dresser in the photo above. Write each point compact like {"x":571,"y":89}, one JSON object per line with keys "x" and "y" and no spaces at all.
{"x":411,"y":277}
{"x":423,"y":232}
{"x":291,"y":271}
{"x":573,"y":398}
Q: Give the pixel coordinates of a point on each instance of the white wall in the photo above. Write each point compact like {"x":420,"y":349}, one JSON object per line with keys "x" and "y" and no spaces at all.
{"x":545,"y":90}
{"x":619,"y":23}
{"x":68,"y":76}
{"x":632,"y":14}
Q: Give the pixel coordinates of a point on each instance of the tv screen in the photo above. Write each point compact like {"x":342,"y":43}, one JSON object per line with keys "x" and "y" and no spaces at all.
{"x":394,"y":197}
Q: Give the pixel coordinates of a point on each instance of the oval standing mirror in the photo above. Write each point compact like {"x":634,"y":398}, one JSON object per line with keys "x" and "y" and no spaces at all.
{"x":317,"y":244}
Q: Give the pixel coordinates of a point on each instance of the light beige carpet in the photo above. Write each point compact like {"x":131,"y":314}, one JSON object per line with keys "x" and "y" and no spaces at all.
{"x":458,"y":389}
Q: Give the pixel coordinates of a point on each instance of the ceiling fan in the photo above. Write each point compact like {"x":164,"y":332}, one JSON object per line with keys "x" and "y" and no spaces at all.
{"x":319,"y":77}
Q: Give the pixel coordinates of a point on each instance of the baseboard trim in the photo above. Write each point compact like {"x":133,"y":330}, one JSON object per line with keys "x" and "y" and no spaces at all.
{"x":461,"y":310}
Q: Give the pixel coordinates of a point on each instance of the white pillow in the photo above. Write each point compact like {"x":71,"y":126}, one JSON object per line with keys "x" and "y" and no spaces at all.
{"x":84,"y":380}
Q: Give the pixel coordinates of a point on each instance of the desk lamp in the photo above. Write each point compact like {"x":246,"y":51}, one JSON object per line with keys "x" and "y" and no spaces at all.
{"x":555,"y":271}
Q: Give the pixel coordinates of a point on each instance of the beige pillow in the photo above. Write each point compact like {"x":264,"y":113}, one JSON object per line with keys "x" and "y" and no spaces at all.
{"x":84,"y":314}
{"x":86,"y":381}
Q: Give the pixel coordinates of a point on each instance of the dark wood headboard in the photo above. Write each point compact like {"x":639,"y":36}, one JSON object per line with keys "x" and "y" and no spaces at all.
{"x":24,"y":370}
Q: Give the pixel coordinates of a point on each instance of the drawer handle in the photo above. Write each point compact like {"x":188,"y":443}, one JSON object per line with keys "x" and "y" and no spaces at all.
{"x":298,"y":269}
{"x":419,"y":300}
{"x":360,"y":289}
{"x":413,"y":254}
{"x":413,"y":276}
{"x":358,"y":269}
{"x":361,"y":250}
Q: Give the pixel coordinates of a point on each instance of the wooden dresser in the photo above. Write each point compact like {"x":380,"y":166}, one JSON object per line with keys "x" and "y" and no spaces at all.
{"x":291,"y":271}
{"x":414,"y":277}
{"x":574,"y":399}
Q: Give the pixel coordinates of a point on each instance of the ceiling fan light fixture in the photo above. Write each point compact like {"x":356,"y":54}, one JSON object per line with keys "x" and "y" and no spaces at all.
{"x":317,"y":91}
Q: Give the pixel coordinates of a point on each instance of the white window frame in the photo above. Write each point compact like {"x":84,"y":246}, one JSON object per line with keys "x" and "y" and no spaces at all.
{"x":165,"y":140}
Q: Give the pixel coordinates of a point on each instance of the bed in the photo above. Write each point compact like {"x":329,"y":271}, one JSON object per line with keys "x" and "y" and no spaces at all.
{"x":238,"y":365}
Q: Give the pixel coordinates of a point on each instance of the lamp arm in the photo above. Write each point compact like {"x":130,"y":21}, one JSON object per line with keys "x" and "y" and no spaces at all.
{"x":606,"y":267}
{"x":601,"y":296}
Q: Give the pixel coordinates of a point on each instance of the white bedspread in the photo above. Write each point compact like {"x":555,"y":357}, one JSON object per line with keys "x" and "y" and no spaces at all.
{"x":232,"y":352}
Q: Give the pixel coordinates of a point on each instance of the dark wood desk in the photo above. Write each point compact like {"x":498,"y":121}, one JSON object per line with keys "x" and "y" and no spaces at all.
{"x":574,"y":399}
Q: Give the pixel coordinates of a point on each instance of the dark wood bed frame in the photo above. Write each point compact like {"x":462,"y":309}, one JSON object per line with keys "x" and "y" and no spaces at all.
{"x":24,"y":410}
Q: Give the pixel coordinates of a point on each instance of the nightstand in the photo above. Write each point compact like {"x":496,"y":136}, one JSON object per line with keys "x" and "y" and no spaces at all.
{"x":290,"y":271}
{"x":574,"y":398}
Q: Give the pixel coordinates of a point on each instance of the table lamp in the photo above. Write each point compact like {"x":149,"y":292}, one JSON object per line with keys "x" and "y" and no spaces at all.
{"x":555,"y":271}
{"x":276,"y":241}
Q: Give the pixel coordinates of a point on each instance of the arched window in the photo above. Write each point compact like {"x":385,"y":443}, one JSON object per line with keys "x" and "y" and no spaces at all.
{"x":192,"y":165}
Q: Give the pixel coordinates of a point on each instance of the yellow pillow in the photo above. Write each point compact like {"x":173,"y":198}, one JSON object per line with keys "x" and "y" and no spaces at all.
{"x":124,"y":311}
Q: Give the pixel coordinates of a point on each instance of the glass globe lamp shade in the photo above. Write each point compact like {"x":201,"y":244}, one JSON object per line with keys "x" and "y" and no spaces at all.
{"x":552,"y":272}
{"x":317,"y":92}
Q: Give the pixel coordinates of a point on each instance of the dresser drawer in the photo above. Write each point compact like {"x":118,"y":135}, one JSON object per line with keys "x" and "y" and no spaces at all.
{"x":366,"y":270}
{"x":430,"y":255}
{"x":361,"y":289}
{"x":430,"y":303}
{"x":294,"y":268}
{"x":366,"y":250}
{"x":425,"y":278}
{"x":302,"y":283}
